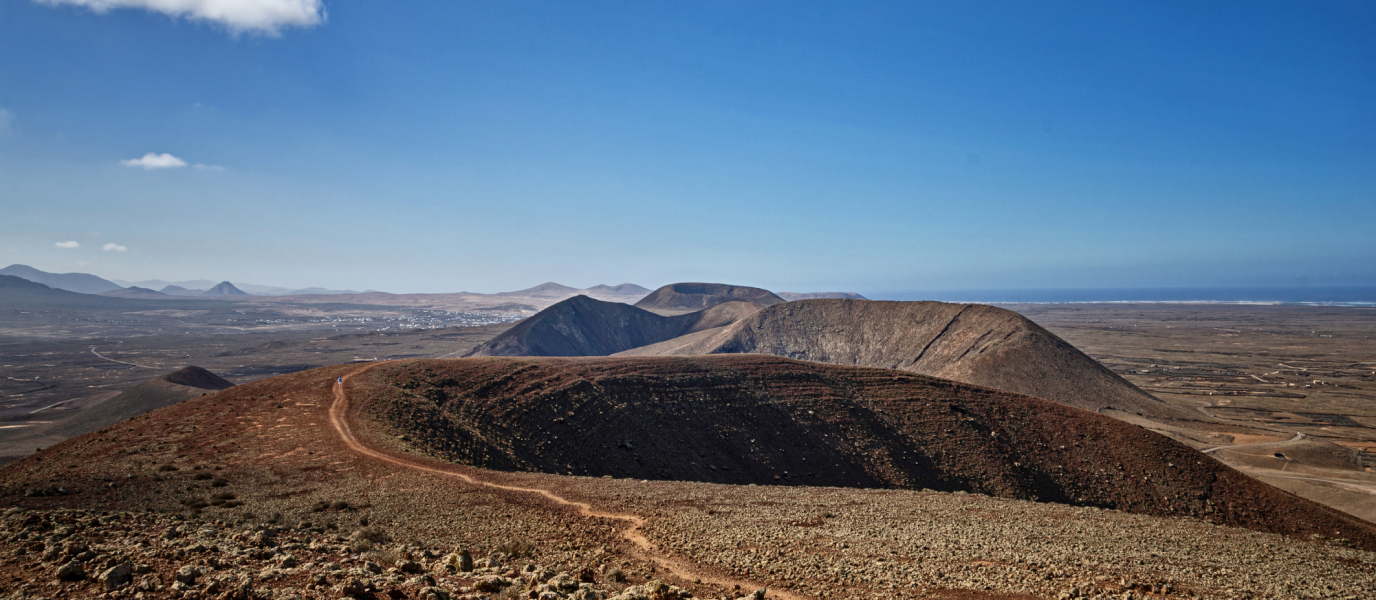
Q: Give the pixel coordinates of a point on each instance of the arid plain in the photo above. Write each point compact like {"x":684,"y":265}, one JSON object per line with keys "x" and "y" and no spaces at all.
{"x":295,"y":466}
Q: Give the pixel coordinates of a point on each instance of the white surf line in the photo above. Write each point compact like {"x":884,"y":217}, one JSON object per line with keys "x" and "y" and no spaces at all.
{"x":93,"y":351}
{"x":339,"y":411}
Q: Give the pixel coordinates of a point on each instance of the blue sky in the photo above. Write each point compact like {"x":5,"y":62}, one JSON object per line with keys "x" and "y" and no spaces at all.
{"x":487,"y":146}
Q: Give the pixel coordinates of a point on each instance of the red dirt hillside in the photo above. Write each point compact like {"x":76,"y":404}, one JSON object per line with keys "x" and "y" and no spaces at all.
{"x":758,"y":419}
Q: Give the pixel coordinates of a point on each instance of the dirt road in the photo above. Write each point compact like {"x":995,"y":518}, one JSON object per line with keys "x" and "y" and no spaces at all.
{"x":688,"y":572}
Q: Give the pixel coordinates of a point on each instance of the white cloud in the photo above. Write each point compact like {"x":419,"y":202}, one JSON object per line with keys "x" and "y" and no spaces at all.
{"x":209,"y":167}
{"x":113,"y":247}
{"x":267,"y":17}
{"x":68,"y":245}
{"x":6,"y":123}
{"x":155,"y":161}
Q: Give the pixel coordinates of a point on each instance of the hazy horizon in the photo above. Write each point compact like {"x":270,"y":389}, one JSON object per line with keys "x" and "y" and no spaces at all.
{"x":796,"y":147}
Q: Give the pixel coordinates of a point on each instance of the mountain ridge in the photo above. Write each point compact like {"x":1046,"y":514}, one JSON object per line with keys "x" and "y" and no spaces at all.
{"x":971,"y":343}
{"x":81,"y":283}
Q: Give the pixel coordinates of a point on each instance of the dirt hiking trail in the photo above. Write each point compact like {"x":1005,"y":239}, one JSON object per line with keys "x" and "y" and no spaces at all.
{"x":339,"y":417}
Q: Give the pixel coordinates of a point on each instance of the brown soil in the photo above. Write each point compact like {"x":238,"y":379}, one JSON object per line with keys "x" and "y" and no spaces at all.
{"x":757,"y":419}
{"x":272,"y":444}
{"x":165,"y":390}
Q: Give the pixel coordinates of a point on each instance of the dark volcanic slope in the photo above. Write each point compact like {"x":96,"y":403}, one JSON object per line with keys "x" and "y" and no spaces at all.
{"x":680,"y":298}
{"x":757,"y":419}
{"x":582,"y":326}
{"x":183,"y":384}
{"x":972,"y":343}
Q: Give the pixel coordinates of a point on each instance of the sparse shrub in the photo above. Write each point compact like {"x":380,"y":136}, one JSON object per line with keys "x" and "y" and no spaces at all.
{"x":202,"y":476}
{"x":195,"y":505}
{"x":615,"y":576}
{"x":376,"y":536}
{"x":219,"y":482}
{"x":517,"y":548}
{"x":167,"y":468}
{"x":325,"y":505}
{"x":385,"y":557}
{"x":365,"y":539}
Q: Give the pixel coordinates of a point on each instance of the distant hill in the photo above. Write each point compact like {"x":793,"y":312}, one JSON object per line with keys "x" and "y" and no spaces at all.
{"x":135,"y":292}
{"x":548,"y":288}
{"x":583,"y":326}
{"x":622,"y":288}
{"x":308,"y":291}
{"x":15,"y":284}
{"x":165,"y":390}
{"x":177,"y":290}
{"x":971,"y":343}
{"x":17,"y":292}
{"x":81,"y":283}
{"x":196,"y":287}
{"x":791,"y":296}
{"x":158,"y":284}
{"x":225,"y":288}
{"x":551,"y":289}
{"x":679,"y":298}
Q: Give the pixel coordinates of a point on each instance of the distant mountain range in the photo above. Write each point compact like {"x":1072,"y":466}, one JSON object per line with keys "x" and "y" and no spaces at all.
{"x":198,"y":287}
{"x":81,"y":283}
{"x":526,"y":301}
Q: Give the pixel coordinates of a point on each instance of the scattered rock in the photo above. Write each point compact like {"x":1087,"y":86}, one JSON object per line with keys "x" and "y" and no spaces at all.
{"x":72,"y":571}
{"x":117,"y":576}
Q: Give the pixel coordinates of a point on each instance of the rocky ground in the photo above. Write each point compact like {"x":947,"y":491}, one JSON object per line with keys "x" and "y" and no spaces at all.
{"x":256,"y":473}
{"x":85,"y":554}
{"x":745,"y":419}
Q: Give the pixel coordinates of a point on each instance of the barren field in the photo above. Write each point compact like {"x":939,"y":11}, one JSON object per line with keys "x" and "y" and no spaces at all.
{"x":1257,"y":374}
{"x":56,"y":364}
{"x":272,"y":448}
